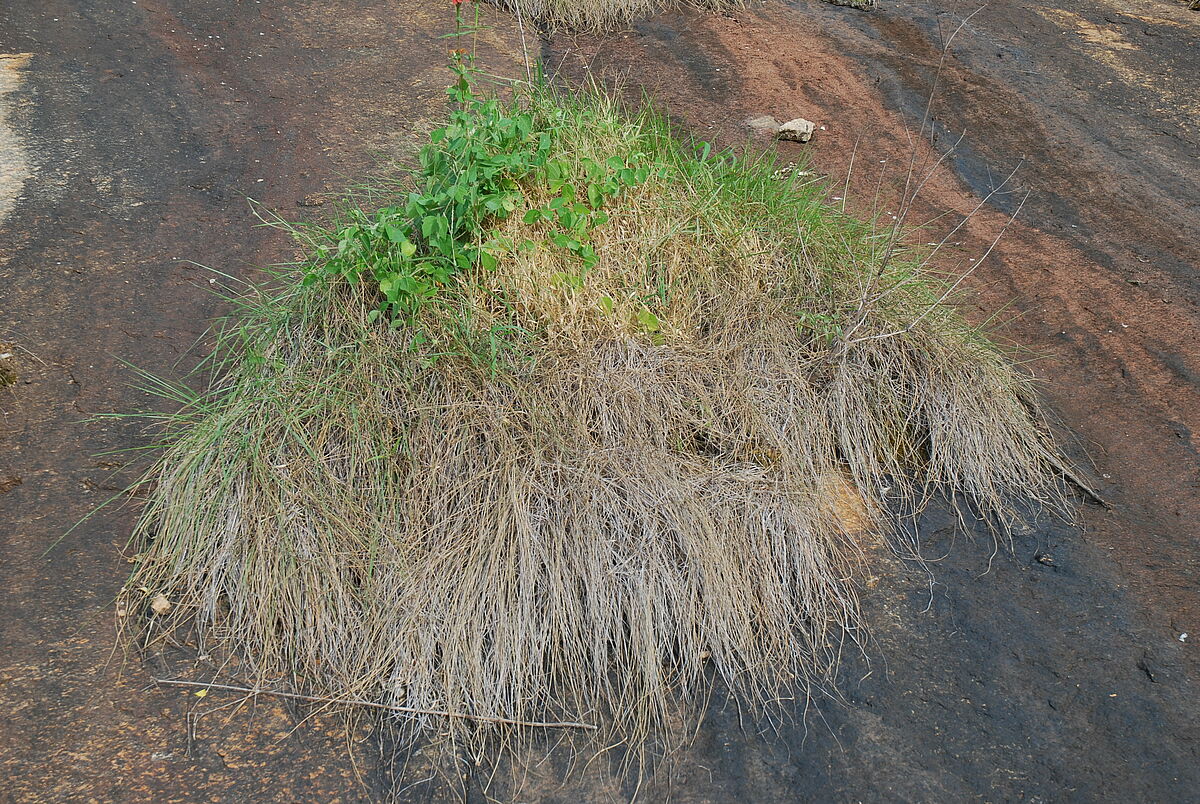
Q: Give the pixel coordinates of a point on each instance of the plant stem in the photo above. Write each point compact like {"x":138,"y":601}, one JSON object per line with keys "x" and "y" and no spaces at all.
{"x":171,"y":682}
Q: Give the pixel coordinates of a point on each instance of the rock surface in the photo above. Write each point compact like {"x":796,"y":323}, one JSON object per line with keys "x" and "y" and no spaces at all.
{"x":798,"y":130}
{"x":1000,"y":677}
{"x":763,"y":123}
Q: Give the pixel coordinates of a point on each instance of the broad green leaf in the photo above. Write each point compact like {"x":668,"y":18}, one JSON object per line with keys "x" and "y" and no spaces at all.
{"x":648,"y":320}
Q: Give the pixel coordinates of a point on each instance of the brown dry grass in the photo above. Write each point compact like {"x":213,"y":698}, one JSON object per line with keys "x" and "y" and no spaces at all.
{"x":601,"y":15}
{"x":551,"y":511}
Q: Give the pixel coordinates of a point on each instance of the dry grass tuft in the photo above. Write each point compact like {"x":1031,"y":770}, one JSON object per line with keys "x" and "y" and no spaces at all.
{"x":559,"y":507}
{"x":603,"y":15}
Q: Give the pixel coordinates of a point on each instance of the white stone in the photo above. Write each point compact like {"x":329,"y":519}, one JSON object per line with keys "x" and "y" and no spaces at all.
{"x":798,"y":130}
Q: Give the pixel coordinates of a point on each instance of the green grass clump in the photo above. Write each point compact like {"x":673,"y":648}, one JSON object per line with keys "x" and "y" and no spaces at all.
{"x":603,"y":15}
{"x":581,"y":418}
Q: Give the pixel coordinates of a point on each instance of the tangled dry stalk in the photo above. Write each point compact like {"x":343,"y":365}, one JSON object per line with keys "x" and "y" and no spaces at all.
{"x":585,"y":500}
{"x":602,"y":15}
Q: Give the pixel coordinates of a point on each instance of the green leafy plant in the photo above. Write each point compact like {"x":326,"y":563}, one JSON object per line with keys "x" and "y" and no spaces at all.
{"x":469,"y":175}
{"x":472,"y":176}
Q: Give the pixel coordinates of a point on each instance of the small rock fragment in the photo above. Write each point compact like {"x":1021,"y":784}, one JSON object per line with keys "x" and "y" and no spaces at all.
{"x":8,"y":371}
{"x":798,"y":130}
{"x":159,"y":604}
